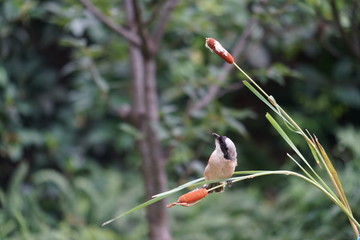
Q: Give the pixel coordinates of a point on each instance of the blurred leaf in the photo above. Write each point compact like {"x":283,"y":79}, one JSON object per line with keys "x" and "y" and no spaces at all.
{"x":62,"y":71}
{"x":349,"y":138}
{"x":3,"y":77}
{"x":350,"y":96}
{"x":129,"y":129}
{"x":181,"y":154}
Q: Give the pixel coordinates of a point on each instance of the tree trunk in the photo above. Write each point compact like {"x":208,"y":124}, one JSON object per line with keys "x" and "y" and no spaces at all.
{"x":153,"y":166}
{"x":145,"y":115}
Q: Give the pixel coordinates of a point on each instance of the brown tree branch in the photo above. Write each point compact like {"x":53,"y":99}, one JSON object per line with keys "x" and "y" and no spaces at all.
{"x":163,"y":20}
{"x":137,"y":69}
{"x":230,"y":88}
{"x":336,"y":15}
{"x":344,"y":35}
{"x":123,"y":112}
{"x":355,"y":27}
{"x":156,"y":6}
{"x":213,"y":90}
{"x":130,"y":36}
{"x":148,"y":47}
{"x":226,"y":69}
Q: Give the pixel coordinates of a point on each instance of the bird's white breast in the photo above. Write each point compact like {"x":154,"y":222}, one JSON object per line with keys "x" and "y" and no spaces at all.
{"x":218,"y":167}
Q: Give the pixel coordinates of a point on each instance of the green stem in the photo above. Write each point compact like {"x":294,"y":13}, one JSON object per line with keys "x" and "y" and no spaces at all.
{"x":342,"y":203}
{"x":316,"y":184}
{"x":252,"y":81}
{"x":281,"y":111}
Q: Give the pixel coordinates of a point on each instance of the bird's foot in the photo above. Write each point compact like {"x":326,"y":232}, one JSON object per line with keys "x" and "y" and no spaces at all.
{"x":229,"y":183}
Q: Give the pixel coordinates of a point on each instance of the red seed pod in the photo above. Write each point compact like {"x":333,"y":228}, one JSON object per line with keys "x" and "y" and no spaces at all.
{"x":190,"y":198}
{"x":217,"y":48}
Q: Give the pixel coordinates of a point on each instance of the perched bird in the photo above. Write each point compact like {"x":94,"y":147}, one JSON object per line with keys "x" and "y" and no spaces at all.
{"x":222,"y":162}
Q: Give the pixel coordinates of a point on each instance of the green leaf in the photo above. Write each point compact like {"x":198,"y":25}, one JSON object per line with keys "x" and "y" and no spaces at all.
{"x":3,"y":77}
{"x":155,"y":199}
{"x":296,"y":150}
{"x":285,"y":137}
{"x":134,"y":209}
{"x":261,"y":97}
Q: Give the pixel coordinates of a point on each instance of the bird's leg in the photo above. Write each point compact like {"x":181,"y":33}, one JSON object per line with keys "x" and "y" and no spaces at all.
{"x":229,"y":183}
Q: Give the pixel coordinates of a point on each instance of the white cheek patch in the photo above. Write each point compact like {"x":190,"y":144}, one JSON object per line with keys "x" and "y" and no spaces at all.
{"x":231,"y":149}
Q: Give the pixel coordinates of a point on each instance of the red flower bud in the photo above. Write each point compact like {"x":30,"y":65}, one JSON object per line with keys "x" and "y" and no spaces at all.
{"x":216,"y":47}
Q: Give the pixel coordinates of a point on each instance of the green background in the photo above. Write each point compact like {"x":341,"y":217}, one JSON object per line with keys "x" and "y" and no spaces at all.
{"x":68,"y":162}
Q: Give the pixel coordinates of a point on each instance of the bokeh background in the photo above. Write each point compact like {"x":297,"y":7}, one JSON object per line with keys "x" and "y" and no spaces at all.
{"x":69,"y":158}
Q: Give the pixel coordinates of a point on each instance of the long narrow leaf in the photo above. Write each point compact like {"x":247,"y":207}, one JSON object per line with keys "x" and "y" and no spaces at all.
{"x":286,"y":138}
{"x":147,"y":203}
{"x":332,"y":197}
{"x":155,"y":198}
{"x":270,"y":103}
{"x":301,"y":167}
{"x":248,"y":172}
{"x":292,"y":145}
{"x":336,"y":182}
{"x":261,"y":97}
{"x":181,"y":187}
{"x":289,"y":123}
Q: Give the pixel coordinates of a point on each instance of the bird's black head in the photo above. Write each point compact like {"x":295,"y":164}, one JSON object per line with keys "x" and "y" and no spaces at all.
{"x":223,"y":145}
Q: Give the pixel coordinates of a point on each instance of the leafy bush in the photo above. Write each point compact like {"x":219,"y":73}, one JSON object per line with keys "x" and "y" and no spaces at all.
{"x":47,"y":204}
{"x":67,"y":162}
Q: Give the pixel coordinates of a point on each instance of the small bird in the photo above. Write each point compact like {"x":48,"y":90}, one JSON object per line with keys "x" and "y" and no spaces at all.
{"x":222,"y":162}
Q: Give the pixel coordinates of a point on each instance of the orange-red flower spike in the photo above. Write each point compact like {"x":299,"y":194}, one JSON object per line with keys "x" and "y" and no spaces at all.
{"x":190,"y":198}
{"x":217,"y":48}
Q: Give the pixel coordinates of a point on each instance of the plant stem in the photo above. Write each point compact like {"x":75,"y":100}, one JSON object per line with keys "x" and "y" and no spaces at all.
{"x":316,"y":184}
{"x":252,"y":81}
{"x":342,"y":202}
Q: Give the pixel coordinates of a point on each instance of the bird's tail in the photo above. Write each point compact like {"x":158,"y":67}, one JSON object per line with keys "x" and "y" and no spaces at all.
{"x":216,"y":190}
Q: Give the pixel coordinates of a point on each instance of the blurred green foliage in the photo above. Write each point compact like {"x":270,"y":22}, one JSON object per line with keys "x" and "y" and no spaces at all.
{"x":60,"y":208}
{"x":68,"y":162}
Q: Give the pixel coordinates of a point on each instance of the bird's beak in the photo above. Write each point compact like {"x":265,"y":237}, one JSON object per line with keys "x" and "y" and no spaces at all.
{"x":216,"y":135}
